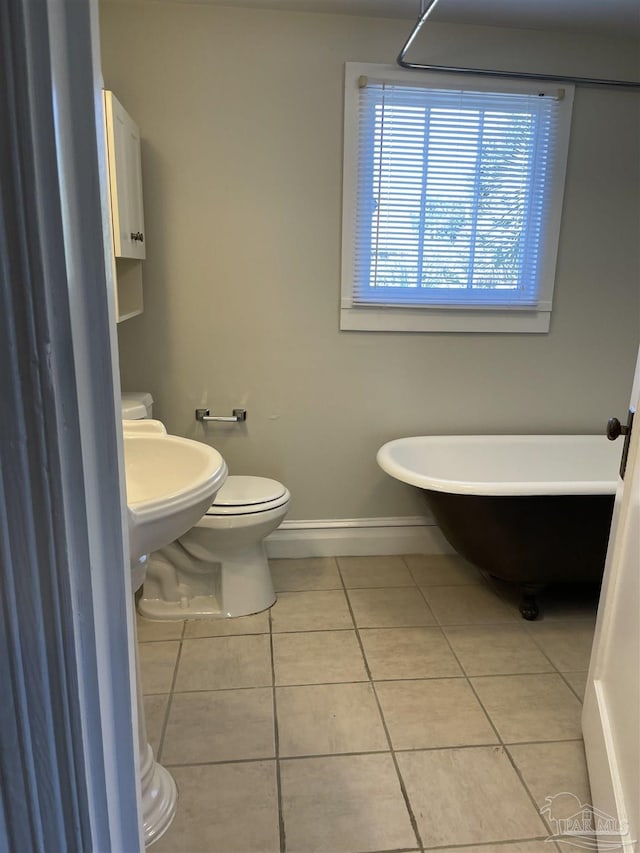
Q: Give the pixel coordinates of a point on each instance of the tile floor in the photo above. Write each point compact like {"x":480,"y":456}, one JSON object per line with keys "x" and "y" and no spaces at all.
{"x":384,"y":704}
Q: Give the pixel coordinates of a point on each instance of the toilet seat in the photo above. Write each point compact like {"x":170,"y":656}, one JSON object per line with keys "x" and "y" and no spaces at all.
{"x":241,"y":495}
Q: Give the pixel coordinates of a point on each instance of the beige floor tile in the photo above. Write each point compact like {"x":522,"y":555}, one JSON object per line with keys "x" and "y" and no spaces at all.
{"x":369,"y":572}
{"x":566,"y":644}
{"x":511,"y":847}
{"x":328,"y":719}
{"x":556,"y":775}
{"x":318,"y":657}
{"x":342,"y":804}
{"x":496,"y":650}
{"x":310,"y":573}
{"x":466,"y":796}
{"x":554,"y":768}
{"x":311,"y":611}
{"x":408,"y":653}
{"x":389,"y":607}
{"x":150,"y":630}
{"x":155,"y":707}
{"x":467,"y":605}
{"x":530,"y":707}
{"x":224,"y":725}
{"x":442,"y":570}
{"x":577,"y":682}
{"x":157,"y":665}
{"x":218,"y":663}
{"x":224,"y":807}
{"x":258,"y":623}
{"x":433,"y":713}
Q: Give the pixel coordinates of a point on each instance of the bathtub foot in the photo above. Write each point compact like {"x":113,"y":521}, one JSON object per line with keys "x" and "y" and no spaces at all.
{"x":529,"y":603}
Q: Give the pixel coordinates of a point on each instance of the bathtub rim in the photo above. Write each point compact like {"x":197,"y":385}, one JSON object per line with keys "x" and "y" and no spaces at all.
{"x":398,"y":471}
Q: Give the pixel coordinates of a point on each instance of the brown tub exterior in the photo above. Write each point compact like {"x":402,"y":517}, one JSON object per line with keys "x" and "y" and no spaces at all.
{"x":531,"y":540}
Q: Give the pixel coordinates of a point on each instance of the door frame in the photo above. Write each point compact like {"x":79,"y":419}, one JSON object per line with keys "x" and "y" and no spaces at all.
{"x":68,"y":718}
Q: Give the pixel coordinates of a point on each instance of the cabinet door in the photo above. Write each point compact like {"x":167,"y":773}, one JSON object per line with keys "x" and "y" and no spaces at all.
{"x":125,"y":180}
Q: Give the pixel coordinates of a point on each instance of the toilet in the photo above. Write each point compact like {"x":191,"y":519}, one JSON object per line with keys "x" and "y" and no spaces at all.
{"x":136,"y":405}
{"x":219,"y":568}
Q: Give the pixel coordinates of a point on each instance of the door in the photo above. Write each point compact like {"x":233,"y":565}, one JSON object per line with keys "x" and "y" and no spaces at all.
{"x":611,"y":713}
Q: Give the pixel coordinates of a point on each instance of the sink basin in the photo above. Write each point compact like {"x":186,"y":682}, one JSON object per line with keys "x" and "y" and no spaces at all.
{"x":170,"y":483}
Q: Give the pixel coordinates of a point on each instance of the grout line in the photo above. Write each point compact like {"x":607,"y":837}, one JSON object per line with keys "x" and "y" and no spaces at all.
{"x":403,"y":788}
{"x":568,"y":683}
{"x":509,"y":743}
{"x":259,"y":759}
{"x":226,"y":636}
{"x":253,"y":759}
{"x":310,"y":589}
{"x":165,"y":721}
{"x":155,"y":642}
{"x":312,"y":631}
{"x":531,"y":634}
{"x":511,"y":759}
{"x":480,"y":845}
{"x":468,"y":680}
{"x":393,"y":850}
{"x":441,"y":625}
{"x":214,"y":689}
{"x":394,"y":749}
{"x":276,"y":739}
{"x":497,"y":733}
{"x":545,"y":672}
{"x":305,"y":757}
{"x":506,"y":623}
{"x":384,"y":586}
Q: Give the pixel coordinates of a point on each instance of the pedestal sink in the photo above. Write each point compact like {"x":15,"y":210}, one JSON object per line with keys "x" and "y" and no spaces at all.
{"x":170,"y":483}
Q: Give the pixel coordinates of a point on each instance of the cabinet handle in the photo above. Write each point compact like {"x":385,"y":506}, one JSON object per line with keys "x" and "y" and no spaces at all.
{"x":137,"y":235}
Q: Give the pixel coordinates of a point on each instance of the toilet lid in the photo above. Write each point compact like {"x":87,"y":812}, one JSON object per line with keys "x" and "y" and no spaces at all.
{"x":248,"y":491}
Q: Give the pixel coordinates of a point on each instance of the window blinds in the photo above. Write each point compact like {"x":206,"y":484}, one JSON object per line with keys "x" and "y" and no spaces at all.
{"x":453,"y":191}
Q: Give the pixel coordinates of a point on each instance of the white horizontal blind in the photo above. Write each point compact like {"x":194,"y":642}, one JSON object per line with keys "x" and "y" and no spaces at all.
{"x":453,"y":189}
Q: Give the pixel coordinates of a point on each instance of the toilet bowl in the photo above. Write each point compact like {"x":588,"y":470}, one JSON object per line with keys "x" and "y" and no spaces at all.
{"x":219,"y":567}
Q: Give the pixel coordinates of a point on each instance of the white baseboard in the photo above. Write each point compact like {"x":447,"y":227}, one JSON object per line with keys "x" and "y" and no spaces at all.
{"x":355,"y":537}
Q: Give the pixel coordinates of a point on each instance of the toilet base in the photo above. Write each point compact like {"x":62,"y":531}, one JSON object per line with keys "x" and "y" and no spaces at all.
{"x":198,"y":607}
{"x":237,"y":583}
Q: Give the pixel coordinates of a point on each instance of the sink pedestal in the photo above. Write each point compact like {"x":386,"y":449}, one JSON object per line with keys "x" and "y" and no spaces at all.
{"x":171,"y":481}
{"x":159,"y":794}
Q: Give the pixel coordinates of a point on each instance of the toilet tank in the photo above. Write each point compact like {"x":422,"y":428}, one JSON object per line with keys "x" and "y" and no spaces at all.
{"x":136,"y":405}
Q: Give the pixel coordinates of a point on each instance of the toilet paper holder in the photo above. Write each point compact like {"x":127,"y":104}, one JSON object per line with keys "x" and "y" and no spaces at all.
{"x":239,"y":416}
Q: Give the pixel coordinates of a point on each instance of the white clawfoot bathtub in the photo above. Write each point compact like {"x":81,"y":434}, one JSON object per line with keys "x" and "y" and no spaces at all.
{"x":529,"y":509}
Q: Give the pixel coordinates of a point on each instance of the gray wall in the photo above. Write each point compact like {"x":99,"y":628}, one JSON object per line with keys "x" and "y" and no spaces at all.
{"x":241,"y":116}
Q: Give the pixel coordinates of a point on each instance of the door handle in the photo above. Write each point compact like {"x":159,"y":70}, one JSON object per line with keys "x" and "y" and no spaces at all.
{"x":614,"y":430}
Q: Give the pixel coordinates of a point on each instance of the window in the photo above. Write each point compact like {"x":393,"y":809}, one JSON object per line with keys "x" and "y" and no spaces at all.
{"x":452,"y":199}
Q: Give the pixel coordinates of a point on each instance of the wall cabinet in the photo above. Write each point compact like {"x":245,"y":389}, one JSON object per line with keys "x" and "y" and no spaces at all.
{"x":127,"y":213}
{"x":125,"y":179}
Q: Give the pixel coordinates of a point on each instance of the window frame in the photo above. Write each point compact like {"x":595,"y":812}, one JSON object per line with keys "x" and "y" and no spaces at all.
{"x":447,"y":318}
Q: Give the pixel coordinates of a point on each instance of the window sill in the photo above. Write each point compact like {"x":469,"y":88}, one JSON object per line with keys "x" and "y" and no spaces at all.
{"x":443,"y":320}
